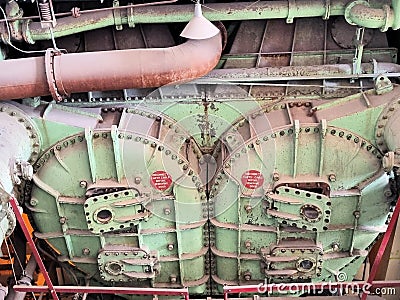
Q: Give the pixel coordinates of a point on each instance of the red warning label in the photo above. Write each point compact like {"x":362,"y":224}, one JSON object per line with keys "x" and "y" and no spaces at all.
{"x":252,"y":179}
{"x":161,"y":180}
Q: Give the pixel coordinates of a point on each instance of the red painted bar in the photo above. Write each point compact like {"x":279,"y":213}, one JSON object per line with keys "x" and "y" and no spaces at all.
{"x":382,"y":247}
{"x":105,"y":290}
{"x":32,"y":245}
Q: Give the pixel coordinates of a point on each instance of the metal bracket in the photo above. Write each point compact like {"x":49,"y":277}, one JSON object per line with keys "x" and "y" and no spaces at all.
{"x":130,"y":15}
{"x":117,"y":16}
{"x":291,"y":9}
{"x":358,"y":50}
{"x":383,"y":85}
{"x":327,"y":10}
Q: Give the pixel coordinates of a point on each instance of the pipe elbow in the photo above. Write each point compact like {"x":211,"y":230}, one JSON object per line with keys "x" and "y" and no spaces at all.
{"x":136,"y":68}
{"x":62,"y":74}
{"x":361,"y":14}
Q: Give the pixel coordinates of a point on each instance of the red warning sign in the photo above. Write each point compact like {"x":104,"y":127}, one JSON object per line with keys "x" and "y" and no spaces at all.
{"x":252,"y":179}
{"x":161,"y":180}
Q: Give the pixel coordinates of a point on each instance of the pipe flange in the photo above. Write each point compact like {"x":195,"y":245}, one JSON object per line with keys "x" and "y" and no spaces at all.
{"x":387,"y":10}
{"x":26,"y":34}
{"x":383,"y":119}
{"x":29,"y":125}
{"x":50,"y":74}
{"x":347,"y":10}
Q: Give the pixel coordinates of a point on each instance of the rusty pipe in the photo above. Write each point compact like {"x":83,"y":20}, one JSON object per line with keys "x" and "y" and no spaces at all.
{"x":60,"y":75}
{"x":361,"y":14}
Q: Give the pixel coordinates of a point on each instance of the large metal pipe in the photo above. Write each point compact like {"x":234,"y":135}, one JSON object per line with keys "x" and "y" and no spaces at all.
{"x":355,"y":14}
{"x":63,"y":74}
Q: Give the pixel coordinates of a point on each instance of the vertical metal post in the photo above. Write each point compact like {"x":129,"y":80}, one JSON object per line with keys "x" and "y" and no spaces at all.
{"x":32,"y":245}
{"x":358,"y":51}
{"x":382,"y":247}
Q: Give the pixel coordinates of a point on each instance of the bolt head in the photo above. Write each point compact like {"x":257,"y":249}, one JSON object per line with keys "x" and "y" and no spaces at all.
{"x":335,"y":247}
{"x":247,"y":244}
{"x":170,"y":247}
{"x":388,"y":193}
{"x":83,"y":184}
{"x":248,"y":208}
{"x":247,"y":276}
{"x":275,"y":177}
{"x":167,"y":211}
{"x":332,"y":177}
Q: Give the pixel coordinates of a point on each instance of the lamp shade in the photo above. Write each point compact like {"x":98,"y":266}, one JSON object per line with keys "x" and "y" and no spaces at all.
{"x":199,"y":27}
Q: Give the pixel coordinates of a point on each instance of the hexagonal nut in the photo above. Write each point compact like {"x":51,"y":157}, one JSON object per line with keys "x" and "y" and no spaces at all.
{"x":275,"y":176}
{"x":173,"y":279}
{"x":247,"y":244}
{"x":83,"y":184}
{"x":247,"y":276}
{"x":332,"y":177}
{"x":248,"y":208}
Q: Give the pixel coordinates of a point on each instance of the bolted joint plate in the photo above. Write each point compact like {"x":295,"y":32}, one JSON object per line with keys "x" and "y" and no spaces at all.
{"x":115,"y":211}
{"x":299,"y":208}
{"x":297,"y":259}
{"x":126,"y":264}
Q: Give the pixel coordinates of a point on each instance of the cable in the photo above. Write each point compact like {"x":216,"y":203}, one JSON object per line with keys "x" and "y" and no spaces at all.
{"x":12,"y":264}
{"x":17,"y":256}
{"x":9,"y":255}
